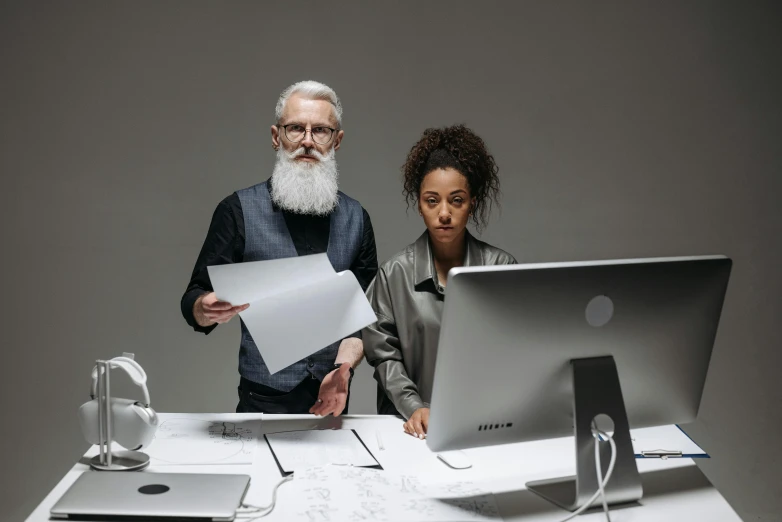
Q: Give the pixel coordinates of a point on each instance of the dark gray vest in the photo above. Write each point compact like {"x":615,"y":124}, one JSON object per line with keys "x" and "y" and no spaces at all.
{"x":267,"y":237}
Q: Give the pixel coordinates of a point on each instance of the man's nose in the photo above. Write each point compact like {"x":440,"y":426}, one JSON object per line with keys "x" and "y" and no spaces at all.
{"x":307,"y":140}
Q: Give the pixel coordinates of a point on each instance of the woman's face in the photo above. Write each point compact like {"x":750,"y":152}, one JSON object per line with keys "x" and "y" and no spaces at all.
{"x":445,"y":203}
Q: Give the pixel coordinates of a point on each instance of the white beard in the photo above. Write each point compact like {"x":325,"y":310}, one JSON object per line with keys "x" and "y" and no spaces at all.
{"x":303,"y":187}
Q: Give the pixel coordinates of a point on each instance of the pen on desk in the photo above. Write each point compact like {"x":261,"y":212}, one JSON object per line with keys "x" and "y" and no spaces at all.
{"x":379,"y":440}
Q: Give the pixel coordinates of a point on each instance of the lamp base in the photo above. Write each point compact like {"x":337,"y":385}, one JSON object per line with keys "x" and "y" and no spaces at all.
{"x":122,"y":461}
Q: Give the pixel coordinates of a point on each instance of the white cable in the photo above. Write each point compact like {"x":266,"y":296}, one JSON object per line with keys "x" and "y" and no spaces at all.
{"x":253,"y":511}
{"x":602,"y":484}
{"x":599,"y":470}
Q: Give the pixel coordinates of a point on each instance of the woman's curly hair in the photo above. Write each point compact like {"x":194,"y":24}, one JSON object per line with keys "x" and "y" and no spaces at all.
{"x":459,"y":148}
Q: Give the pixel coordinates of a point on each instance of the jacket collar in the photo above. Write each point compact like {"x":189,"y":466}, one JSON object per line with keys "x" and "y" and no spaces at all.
{"x":423,"y":258}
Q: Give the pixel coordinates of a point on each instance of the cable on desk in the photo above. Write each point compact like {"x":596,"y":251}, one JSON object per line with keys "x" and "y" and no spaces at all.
{"x":601,"y":482}
{"x":253,"y":512}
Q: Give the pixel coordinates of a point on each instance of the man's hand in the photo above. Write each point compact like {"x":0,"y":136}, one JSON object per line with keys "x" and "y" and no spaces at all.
{"x":208,"y":310}
{"x":333,"y":392}
{"x":418,"y":423}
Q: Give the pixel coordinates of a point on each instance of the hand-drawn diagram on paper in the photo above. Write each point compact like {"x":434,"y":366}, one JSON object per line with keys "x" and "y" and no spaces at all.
{"x":355,"y":494}
{"x":193,"y":441}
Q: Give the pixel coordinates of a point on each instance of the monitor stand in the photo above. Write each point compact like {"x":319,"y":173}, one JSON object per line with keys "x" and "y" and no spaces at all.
{"x":596,"y":390}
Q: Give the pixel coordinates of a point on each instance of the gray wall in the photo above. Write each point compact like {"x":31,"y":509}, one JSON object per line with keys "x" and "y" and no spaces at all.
{"x":621,"y":129}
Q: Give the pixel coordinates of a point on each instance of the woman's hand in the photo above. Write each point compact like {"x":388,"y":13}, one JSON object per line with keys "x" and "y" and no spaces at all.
{"x":418,"y":423}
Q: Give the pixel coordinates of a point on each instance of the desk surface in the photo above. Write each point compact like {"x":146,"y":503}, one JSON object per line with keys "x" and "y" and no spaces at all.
{"x":674,"y":490}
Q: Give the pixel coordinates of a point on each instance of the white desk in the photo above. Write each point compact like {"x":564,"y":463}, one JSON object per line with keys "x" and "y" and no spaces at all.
{"x":674,"y":490}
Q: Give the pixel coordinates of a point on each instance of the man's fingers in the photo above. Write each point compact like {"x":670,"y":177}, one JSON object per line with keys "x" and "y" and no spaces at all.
{"x":315,"y":410}
{"x":329,"y":406}
{"x":222,"y":314}
{"x":316,"y":407}
{"x":339,"y":406}
{"x":217,"y":305}
{"x":221,"y":317}
{"x":334,"y":404}
{"x":320,"y":408}
{"x":425,"y":423}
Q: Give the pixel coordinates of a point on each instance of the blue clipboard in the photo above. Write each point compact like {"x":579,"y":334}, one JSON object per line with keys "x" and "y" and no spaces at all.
{"x":675,"y":444}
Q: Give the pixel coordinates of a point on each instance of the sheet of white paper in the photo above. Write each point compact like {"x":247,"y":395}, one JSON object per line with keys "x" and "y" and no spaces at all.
{"x":350,"y":493}
{"x":668,"y":438}
{"x":298,"y":305}
{"x":241,"y":283}
{"x":291,"y":325}
{"x":297,"y":450}
{"x":183,"y":440}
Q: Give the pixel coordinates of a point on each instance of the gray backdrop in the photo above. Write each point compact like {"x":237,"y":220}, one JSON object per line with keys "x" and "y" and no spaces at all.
{"x":620,"y":128}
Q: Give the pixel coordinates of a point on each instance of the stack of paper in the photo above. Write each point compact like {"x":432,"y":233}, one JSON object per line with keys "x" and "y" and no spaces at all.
{"x":298,"y":305}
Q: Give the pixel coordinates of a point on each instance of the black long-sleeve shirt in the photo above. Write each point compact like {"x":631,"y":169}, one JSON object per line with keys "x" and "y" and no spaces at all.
{"x":225,"y":239}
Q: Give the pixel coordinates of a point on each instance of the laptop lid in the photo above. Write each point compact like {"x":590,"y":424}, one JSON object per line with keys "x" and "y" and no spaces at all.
{"x":125,"y":495}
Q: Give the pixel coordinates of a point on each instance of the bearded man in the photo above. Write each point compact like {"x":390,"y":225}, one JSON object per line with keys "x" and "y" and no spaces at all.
{"x":299,"y":211}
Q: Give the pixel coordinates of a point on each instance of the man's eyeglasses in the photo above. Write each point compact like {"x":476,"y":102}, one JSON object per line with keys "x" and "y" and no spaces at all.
{"x":296,"y":132}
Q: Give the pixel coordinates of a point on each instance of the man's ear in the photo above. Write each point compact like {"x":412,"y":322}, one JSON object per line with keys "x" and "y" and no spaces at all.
{"x":338,"y":139}
{"x":275,"y":137}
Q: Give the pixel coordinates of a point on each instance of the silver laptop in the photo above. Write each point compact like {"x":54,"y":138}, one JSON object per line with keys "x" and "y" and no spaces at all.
{"x":141,"y":495}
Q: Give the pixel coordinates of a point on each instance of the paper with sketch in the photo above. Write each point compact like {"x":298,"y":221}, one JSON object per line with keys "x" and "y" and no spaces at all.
{"x":350,"y":493}
{"x":298,"y":305}
{"x":664,"y":438}
{"x":182,"y":440}
{"x":297,"y":450}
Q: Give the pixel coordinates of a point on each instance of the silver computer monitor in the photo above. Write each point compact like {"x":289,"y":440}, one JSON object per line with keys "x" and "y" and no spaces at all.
{"x":535,"y":351}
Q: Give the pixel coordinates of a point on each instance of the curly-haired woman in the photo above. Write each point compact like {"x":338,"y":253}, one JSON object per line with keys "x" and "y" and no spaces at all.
{"x":452,"y":179}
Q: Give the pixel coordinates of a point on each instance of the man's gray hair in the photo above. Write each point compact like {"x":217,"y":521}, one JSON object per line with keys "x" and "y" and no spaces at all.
{"x":311,"y":90}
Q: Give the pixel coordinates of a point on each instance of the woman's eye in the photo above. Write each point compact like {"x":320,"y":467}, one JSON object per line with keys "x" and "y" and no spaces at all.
{"x":458,"y":200}
{"x":431,"y":201}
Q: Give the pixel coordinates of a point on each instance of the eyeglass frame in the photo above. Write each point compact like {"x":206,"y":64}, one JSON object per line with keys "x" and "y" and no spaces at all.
{"x":285,"y":132}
